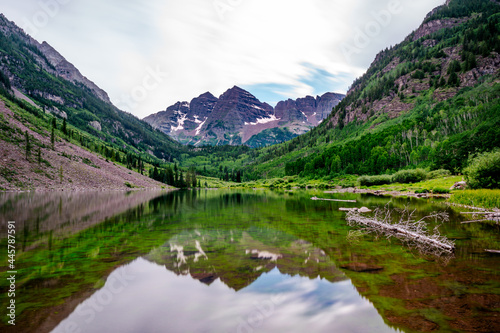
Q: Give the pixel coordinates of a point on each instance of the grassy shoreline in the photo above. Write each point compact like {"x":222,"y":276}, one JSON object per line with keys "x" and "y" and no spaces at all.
{"x":489,"y":199}
{"x":438,"y":187}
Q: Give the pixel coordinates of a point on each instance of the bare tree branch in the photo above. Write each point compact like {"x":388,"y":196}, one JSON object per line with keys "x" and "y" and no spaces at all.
{"x":407,"y":229}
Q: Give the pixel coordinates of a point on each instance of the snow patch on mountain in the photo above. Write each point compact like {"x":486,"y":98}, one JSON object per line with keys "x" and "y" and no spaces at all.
{"x":263,"y":120}
{"x":180,"y":122}
{"x":198,"y":129}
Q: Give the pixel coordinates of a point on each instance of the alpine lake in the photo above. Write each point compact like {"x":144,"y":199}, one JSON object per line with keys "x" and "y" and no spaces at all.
{"x":239,"y":261}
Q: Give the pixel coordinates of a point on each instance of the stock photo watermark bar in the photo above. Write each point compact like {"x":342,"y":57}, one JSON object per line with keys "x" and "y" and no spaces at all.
{"x":11,"y":273}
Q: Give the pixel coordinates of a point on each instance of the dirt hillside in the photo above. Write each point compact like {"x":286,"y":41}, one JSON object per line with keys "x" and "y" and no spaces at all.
{"x":81,"y":169}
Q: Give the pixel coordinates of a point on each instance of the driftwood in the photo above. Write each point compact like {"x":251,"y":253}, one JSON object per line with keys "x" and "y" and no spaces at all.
{"x":476,"y":213}
{"x":407,"y":230}
{"x":475,"y":221}
{"x":493,"y":251}
{"x":359,"y":210}
{"x":488,"y":216}
{"x":336,"y":200}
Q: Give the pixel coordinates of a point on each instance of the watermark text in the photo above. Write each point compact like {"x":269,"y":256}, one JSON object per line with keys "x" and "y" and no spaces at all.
{"x":151,"y":81}
{"x":364,"y":36}
{"x":11,"y":273}
{"x":48,"y":10}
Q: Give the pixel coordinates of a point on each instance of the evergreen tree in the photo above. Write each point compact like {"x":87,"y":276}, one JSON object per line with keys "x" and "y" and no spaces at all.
{"x":193,"y":177}
{"x":64,"y":127}
{"x":188,"y":178}
{"x":156,"y":174}
{"x":140,"y":166}
{"x":453,"y":80}
{"x":442,"y":82}
{"x":169,"y":176}
{"x":181,"y":184}
{"x":469,"y":61}
{"x":28,"y":144}
{"x":52,"y":138}
{"x":454,"y":67}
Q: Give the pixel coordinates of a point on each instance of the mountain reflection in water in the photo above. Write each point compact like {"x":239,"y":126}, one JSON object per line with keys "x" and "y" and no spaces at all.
{"x":156,"y":299}
{"x":239,"y":261}
{"x":254,"y":280}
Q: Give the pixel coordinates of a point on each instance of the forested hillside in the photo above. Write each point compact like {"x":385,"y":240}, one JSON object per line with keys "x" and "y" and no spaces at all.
{"x":59,"y":108}
{"x":431,"y":101}
{"x":33,"y":71}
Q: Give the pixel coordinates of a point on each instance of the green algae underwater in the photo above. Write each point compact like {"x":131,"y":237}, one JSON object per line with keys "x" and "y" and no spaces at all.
{"x":242,"y":244}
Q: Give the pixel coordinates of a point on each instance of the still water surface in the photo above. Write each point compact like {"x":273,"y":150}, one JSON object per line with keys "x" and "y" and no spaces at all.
{"x":240,"y":261}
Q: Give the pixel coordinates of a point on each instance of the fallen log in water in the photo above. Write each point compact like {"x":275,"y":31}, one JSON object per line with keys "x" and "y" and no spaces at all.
{"x":476,"y":213}
{"x":493,"y":251}
{"x":476,"y":221}
{"x":342,"y":209}
{"x":336,"y":200}
{"x":488,"y":216}
{"x":406,"y":230}
{"x":359,"y":210}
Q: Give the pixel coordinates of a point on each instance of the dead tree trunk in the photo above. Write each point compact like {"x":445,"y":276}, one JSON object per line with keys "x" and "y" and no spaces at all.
{"x":336,"y":200}
{"x":407,"y":230}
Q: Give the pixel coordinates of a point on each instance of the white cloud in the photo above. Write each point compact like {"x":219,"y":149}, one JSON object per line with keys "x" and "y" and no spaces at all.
{"x":257,"y":42}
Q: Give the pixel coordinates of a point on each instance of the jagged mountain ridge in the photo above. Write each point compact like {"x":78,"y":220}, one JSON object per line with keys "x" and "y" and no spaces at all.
{"x":68,"y":71}
{"x":238,"y":117}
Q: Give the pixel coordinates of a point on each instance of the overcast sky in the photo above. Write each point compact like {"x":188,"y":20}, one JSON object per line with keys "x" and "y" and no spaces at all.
{"x":149,"y":54}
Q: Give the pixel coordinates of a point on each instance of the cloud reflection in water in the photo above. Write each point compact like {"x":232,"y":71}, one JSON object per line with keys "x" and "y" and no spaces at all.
{"x":157,"y":300}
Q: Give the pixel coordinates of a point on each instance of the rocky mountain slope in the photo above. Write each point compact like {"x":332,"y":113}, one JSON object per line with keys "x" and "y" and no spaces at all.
{"x":437,"y":64}
{"x":237,"y":117}
{"x":431,"y":101}
{"x":40,"y":75}
{"x":49,"y":59}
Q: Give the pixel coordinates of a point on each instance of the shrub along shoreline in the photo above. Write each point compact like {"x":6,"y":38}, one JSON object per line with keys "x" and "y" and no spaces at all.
{"x":406,"y":177}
